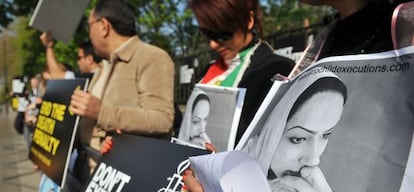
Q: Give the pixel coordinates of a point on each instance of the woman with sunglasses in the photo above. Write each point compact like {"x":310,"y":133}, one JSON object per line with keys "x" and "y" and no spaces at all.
{"x":233,"y":29}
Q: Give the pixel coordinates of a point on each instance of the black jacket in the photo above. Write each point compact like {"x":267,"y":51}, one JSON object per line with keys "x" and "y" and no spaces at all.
{"x":366,"y":31}
{"x":257,"y":81}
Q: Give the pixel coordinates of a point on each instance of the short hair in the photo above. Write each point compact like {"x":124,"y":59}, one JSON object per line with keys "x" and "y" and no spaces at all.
{"x":119,"y":13}
{"x":37,"y":76}
{"x":88,"y":49}
{"x":228,"y":15}
{"x":320,"y":85}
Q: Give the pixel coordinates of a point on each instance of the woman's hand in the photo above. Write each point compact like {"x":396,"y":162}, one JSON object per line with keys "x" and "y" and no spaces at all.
{"x":210,"y":147}
{"x":315,"y":176}
{"x":312,"y":180}
{"x":191,"y":184}
{"x":108,"y":143}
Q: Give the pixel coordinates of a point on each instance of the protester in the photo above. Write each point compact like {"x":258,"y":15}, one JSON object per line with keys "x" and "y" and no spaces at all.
{"x":233,"y":29}
{"x":32,"y":109}
{"x":22,"y":104}
{"x":87,"y":60}
{"x":296,"y":131}
{"x":360,"y":26}
{"x":55,"y":69}
{"x":94,"y":68}
{"x":137,"y":96}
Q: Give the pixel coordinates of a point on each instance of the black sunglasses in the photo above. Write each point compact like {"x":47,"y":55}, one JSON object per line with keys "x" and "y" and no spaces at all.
{"x":219,"y":37}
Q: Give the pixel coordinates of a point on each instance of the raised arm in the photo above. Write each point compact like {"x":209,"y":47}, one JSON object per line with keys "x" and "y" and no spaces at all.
{"x":56,"y":69}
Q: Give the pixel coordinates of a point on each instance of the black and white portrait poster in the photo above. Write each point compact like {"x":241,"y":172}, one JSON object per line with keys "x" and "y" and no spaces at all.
{"x":137,"y":163}
{"x":55,"y":129}
{"x":211,"y":116}
{"x":344,"y":124}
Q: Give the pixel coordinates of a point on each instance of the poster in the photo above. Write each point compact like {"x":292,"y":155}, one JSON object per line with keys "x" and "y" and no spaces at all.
{"x":137,"y":163}
{"x":55,"y":129}
{"x":61,"y":17}
{"x":19,"y":94}
{"x":19,"y":84}
{"x":352,"y":132}
{"x":229,"y":171}
{"x":212,"y":116}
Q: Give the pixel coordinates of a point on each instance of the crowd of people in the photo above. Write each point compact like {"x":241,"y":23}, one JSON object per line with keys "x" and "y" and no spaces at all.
{"x":123,"y":96}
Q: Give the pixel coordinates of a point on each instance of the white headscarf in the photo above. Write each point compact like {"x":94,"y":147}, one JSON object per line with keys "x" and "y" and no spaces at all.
{"x":263,"y":146}
{"x":186,"y":125}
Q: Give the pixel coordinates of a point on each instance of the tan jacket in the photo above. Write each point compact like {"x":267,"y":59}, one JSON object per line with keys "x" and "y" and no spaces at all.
{"x":138,"y":97}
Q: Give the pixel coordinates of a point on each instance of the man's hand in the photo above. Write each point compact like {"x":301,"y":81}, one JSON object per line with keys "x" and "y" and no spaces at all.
{"x":47,"y":39}
{"x":85,"y":104}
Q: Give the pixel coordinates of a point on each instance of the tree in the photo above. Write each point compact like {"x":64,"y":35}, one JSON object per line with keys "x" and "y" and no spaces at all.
{"x":165,"y":23}
{"x":10,"y":9}
{"x":285,"y":15}
{"x":168,"y":24}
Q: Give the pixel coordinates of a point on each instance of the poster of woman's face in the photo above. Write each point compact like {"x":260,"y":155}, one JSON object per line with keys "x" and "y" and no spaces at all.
{"x":307,"y":133}
{"x":365,"y":145}
{"x":199,"y":116}
{"x":211,"y":116}
{"x":296,"y":131}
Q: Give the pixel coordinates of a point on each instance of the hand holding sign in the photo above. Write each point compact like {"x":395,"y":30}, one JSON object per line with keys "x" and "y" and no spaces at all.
{"x":47,"y":39}
{"x":85,"y":104}
{"x":107,"y":143}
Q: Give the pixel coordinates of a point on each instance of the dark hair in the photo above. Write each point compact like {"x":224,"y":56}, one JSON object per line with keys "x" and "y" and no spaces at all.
{"x":88,"y":49}
{"x":119,"y":14}
{"x":198,"y":98}
{"x":67,"y":66}
{"x":227,"y":15}
{"x":320,"y":85}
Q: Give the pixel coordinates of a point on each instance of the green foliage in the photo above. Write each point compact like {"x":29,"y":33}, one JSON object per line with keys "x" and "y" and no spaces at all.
{"x":9,"y":9}
{"x":165,"y":23}
{"x":5,"y":17}
{"x":285,"y":15}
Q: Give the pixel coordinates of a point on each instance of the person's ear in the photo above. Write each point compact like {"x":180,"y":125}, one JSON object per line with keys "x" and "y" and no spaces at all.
{"x":89,"y":59}
{"x":251,"y":20}
{"x":106,"y":26}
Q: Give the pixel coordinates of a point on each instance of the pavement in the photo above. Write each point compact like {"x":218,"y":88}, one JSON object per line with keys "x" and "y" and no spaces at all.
{"x":17,"y":172}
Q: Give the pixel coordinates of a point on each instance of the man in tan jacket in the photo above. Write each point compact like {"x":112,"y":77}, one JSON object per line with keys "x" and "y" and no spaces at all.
{"x":137,"y":97}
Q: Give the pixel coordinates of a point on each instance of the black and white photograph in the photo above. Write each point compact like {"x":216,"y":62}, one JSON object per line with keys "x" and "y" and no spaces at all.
{"x":297,"y":130}
{"x":350,"y":115}
{"x":211,"y":116}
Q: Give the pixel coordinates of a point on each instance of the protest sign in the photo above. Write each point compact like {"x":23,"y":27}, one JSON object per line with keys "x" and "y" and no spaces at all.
{"x":137,"y":163}
{"x":212,"y":116}
{"x":370,"y":136}
{"x":55,"y":129}
{"x":60,"y":17}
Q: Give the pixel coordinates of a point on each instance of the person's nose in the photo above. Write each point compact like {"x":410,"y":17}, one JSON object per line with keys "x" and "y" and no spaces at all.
{"x":213,"y":44}
{"x":311,"y":155}
{"x":203,"y":126}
